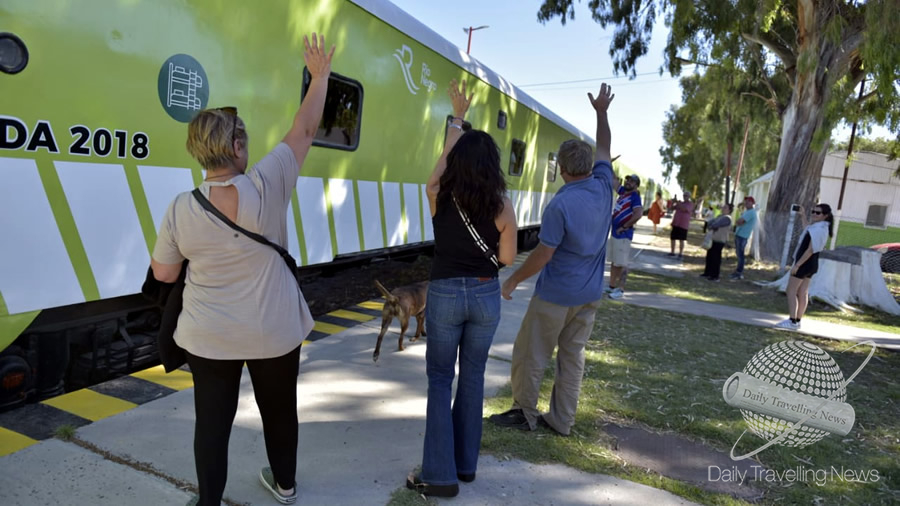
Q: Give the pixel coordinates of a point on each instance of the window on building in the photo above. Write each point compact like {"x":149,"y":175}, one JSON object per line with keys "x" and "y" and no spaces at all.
{"x":552,"y":167}
{"x":342,"y":114}
{"x":877,"y":216}
{"x":516,"y":158}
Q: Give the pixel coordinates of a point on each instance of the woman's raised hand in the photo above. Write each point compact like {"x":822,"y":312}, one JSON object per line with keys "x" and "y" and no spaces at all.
{"x":458,"y":98}
{"x":317,"y":62}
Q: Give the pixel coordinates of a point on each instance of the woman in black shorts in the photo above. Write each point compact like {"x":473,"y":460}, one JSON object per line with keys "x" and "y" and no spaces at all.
{"x":806,"y":262}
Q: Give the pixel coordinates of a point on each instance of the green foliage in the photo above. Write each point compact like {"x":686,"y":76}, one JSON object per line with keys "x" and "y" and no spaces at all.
{"x":876,"y":145}
{"x":697,"y":133}
{"x":821,"y":55}
{"x":65,"y":432}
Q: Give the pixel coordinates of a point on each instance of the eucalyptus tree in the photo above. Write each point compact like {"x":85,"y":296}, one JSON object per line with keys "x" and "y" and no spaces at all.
{"x":823,"y":48}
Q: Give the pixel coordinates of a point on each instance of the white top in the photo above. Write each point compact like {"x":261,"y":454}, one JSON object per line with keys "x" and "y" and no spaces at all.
{"x":240,"y":299}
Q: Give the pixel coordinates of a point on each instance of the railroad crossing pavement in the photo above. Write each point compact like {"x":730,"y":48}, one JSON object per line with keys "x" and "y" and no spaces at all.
{"x":361,"y":431}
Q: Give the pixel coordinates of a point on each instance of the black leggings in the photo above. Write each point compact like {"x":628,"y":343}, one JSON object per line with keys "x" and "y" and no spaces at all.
{"x":713,"y":260}
{"x":216,"y":387}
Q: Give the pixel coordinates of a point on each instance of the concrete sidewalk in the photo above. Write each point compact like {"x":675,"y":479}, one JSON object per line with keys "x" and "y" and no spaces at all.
{"x":649,"y":258}
{"x":361,"y":432}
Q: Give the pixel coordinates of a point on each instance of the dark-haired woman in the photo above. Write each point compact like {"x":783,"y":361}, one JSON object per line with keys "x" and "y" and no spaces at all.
{"x":806,"y":262}
{"x":474,"y":233}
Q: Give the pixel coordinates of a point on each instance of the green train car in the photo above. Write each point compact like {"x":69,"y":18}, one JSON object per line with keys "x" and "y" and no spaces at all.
{"x":95,"y":97}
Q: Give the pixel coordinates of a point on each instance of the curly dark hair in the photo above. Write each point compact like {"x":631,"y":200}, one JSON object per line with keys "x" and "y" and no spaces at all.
{"x":474,"y":177}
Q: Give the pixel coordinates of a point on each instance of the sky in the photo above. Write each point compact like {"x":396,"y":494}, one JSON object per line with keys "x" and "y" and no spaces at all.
{"x":526,"y":52}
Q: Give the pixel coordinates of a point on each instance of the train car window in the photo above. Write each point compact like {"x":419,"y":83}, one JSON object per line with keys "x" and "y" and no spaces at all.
{"x":13,"y":54}
{"x":516,"y":158}
{"x":342,"y":116}
{"x":552,"y":168}
{"x":501,"y":120}
{"x":466,"y":126}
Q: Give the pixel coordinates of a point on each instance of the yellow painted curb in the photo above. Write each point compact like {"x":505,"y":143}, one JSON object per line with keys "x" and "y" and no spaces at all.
{"x":351,"y":315}
{"x":89,"y":404}
{"x":11,"y":442}
{"x":328,"y":328}
{"x":176,"y":380}
{"x":371,"y":304}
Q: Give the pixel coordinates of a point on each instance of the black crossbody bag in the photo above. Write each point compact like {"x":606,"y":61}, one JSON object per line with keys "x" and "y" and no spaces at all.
{"x":168,"y":296}
{"x":288,"y":259}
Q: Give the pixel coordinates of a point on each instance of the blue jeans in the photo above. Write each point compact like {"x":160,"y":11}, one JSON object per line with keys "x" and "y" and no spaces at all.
{"x":740,"y":243}
{"x":461,"y":315}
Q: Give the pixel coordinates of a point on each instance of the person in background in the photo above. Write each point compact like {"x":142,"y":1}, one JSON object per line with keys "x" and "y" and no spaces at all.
{"x":681,"y":222}
{"x":745,"y":225}
{"x":806,"y":262}
{"x":657,"y":210}
{"x":570,"y":259}
{"x":467,"y":197}
{"x":720,"y":228}
{"x":625,"y":214}
{"x":242,"y":303}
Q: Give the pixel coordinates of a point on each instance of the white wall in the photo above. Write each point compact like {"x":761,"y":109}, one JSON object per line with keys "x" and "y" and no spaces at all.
{"x":871,"y":180}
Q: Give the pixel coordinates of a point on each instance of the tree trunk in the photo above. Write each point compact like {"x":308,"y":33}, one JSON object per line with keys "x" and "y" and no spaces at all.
{"x":799,"y":168}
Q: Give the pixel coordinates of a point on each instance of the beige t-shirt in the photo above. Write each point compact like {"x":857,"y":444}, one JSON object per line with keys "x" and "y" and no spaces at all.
{"x":240,"y":299}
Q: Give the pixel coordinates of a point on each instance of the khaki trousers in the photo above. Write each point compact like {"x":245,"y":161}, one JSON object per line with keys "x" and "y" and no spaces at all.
{"x":545,"y":327}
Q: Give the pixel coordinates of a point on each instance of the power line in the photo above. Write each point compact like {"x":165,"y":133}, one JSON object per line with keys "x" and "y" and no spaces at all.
{"x":619,"y":85}
{"x":585,"y":80}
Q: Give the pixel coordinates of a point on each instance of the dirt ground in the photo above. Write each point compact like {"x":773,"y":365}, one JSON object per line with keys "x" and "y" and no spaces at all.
{"x":326,"y":291}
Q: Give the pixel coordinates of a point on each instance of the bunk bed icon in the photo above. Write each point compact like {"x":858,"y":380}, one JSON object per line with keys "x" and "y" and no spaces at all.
{"x":183,"y":86}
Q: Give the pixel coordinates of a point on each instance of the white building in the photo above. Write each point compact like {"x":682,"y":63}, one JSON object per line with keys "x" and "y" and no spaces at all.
{"x":871,"y":197}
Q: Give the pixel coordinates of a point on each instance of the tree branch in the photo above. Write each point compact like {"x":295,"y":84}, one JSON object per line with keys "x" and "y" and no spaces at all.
{"x":771,"y":102}
{"x":767,"y":82}
{"x":783,"y":52}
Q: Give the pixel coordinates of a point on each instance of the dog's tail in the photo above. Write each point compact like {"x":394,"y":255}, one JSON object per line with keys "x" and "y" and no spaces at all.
{"x":388,"y":296}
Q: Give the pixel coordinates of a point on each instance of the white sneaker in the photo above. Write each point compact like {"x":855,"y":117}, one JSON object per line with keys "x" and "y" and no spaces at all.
{"x":607,"y":289}
{"x":617,"y":294}
{"x":787,"y":325}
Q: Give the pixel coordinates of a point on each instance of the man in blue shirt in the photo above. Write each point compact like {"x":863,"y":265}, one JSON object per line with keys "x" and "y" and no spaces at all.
{"x":745,"y":226}
{"x":627,"y":212}
{"x":570,"y":259}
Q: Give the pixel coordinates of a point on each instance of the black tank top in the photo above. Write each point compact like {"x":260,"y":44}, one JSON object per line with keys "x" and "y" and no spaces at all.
{"x":455,"y":253}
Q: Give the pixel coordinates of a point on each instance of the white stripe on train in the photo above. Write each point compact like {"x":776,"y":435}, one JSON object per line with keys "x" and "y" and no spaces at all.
{"x":35,"y":270}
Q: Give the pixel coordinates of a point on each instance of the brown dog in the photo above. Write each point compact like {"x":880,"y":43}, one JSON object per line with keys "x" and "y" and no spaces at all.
{"x":402,"y":302}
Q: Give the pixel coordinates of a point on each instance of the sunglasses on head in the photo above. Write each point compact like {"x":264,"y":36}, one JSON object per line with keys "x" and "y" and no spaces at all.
{"x":233,"y":112}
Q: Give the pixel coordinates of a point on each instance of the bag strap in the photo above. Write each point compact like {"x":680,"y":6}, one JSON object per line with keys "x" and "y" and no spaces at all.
{"x":488,"y":252}
{"x":256,"y":237}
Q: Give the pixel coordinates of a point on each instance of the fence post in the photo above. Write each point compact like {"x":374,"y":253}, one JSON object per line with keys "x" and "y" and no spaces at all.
{"x":788,"y":234}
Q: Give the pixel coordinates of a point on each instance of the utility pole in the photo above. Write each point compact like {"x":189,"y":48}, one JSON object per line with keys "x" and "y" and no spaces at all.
{"x":469,"y":30}
{"x":837,"y":214}
{"x":737,"y":177}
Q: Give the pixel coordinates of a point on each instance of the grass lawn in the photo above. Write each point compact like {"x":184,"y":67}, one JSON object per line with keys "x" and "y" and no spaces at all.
{"x":665,"y":370}
{"x":744,"y":293}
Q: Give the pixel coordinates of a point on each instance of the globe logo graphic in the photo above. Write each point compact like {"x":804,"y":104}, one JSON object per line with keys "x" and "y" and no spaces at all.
{"x":797,"y":367}
{"x":792,"y":394}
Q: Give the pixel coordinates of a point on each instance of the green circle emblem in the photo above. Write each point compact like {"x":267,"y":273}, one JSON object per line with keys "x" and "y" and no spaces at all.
{"x":183,"y":87}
